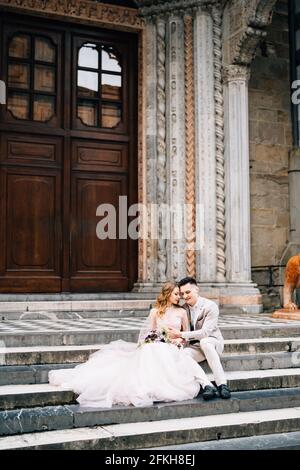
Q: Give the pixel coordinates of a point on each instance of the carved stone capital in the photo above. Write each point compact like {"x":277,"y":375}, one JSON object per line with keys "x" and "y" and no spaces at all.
{"x":233,"y":73}
{"x":100,"y":13}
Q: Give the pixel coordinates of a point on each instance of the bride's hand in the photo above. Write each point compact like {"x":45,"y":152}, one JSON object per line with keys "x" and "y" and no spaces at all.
{"x":179,"y":341}
{"x":173,"y":334}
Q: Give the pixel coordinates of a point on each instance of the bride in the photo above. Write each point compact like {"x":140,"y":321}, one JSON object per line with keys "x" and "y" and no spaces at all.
{"x":128,"y":373}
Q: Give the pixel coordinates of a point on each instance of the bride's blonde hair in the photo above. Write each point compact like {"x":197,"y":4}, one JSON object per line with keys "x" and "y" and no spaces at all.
{"x":162,"y":300}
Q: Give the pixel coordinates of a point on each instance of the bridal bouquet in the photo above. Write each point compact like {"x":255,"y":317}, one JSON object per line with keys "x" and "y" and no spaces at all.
{"x":157,"y":336}
{"x":160,"y":336}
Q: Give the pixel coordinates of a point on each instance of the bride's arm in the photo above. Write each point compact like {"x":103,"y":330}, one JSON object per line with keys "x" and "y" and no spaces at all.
{"x":184,"y":322}
{"x":184,"y":327}
{"x":153,"y":319}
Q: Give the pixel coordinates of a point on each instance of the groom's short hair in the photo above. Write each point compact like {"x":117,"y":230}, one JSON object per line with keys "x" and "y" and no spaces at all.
{"x":187,"y":280}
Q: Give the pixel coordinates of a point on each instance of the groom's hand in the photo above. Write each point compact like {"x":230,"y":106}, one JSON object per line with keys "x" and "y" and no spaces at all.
{"x":174,"y":333}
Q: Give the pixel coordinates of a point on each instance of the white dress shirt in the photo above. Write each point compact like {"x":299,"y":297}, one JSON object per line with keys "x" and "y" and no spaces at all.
{"x":194,"y":311}
{"x":204,"y":321}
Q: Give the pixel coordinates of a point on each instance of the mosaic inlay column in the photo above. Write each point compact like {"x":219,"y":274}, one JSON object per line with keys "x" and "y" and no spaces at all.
{"x":190,"y":214}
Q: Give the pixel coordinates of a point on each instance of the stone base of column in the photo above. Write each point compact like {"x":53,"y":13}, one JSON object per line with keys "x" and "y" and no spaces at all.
{"x":235,"y":298}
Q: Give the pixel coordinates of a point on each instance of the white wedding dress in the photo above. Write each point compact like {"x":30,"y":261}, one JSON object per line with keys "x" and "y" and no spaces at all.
{"x":124,"y":373}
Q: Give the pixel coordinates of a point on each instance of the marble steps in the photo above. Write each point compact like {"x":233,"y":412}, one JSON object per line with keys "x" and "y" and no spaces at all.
{"x":38,"y":373}
{"x":133,"y":312}
{"x":281,"y":441}
{"x":163,"y":432}
{"x":73,"y":296}
{"x":31,"y":355}
{"x":93,"y":307}
{"x":64,"y":337}
{"x":91,"y":331}
{"x":31,"y":395}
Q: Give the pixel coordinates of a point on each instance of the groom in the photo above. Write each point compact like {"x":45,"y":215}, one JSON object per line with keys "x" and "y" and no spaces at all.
{"x":205,"y":340}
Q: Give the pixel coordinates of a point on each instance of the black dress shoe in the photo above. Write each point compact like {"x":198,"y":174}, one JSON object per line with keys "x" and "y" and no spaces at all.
{"x":224,"y":391}
{"x":209,"y":392}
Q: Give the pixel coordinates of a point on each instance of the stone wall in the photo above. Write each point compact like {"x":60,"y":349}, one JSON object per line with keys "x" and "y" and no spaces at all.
{"x":270,"y":143}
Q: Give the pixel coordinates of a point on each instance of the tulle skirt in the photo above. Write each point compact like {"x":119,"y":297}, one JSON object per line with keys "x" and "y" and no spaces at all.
{"x":122,"y":373}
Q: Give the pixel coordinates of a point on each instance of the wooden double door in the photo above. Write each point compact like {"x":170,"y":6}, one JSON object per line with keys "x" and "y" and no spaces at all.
{"x":67,"y":146}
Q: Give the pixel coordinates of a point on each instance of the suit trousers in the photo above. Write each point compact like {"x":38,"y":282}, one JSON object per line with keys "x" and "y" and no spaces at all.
{"x":209,"y":349}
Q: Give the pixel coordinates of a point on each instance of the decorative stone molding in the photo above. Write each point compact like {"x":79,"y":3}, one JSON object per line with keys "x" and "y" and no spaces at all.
{"x":160,"y":7}
{"x":219,"y":129}
{"x":243,"y":47}
{"x":244,"y":27}
{"x":149,"y":260}
{"x":259,"y":12}
{"x":103,"y":14}
{"x":190,"y":147}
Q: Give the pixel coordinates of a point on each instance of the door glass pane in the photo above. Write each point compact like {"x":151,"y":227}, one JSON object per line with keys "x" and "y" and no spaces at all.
{"x":44,"y":78}
{"x":88,"y":83}
{"x":19,"y":46}
{"x":110,"y":61}
{"x":44,"y":50}
{"x":18,"y":105}
{"x":43,"y":108}
{"x":18,"y":75}
{"x":88,"y":56}
{"x":87,"y":112}
{"x":111,"y":115}
{"x":111,"y":87}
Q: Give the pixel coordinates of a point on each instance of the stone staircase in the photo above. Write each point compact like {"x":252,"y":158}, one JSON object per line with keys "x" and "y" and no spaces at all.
{"x":261,"y":357}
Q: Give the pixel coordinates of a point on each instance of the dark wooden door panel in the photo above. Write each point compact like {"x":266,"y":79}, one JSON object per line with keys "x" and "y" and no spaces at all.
{"x":32,"y":230}
{"x":24,"y":149}
{"x":99,"y":156}
{"x":95,"y":259}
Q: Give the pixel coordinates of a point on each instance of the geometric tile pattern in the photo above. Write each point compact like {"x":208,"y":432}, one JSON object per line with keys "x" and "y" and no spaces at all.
{"x":125,"y":323}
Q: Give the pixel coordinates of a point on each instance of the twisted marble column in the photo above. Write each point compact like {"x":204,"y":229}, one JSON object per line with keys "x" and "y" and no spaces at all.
{"x":219,"y":130}
{"x":161,"y":146}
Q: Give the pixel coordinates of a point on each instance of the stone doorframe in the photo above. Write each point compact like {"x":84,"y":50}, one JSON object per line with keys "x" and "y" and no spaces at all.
{"x":194,"y":62}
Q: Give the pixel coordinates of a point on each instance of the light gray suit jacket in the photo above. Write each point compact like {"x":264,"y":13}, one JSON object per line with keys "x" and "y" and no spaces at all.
{"x":206,"y":322}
